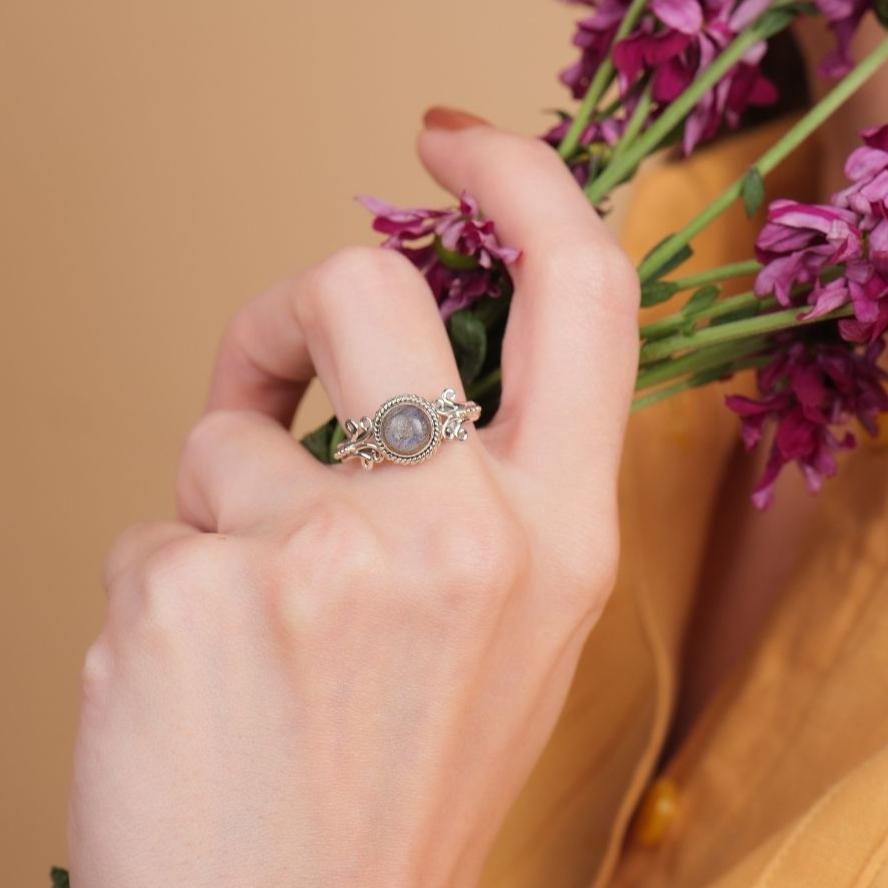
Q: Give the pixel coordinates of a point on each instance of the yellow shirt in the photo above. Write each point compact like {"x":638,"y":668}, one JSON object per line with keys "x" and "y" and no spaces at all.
{"x":784,"y":779}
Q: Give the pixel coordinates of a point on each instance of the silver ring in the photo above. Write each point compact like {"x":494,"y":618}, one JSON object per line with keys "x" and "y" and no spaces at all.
{"x":407,"y":429}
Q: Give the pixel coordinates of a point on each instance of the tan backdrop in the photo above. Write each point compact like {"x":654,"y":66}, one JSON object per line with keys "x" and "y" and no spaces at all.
{"x":161,"y":162}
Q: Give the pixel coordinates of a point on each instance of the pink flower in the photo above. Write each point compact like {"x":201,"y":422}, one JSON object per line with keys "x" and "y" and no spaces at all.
{"x":841,"y":248}
{"x":853,"y":330}
{"x":593,"y":36}
{"x":456,"y":249}
{"x":824,"y":257}
{"x":808,"y":391}
{"x":867,"y":195}
{"x":598,"y":137}
{"x":844,"y":18}
{"x":672,"y":44}
{"x":679,"y":43}
{"x":799,"y":241}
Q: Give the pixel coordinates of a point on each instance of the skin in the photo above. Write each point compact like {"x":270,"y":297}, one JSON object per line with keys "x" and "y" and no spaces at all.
{"x":321,"y":676}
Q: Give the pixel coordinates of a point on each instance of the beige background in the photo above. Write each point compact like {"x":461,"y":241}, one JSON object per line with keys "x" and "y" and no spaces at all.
{"x":161,"y":162}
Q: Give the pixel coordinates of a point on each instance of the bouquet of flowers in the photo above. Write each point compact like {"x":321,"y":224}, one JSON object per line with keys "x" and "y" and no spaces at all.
{"x":658,"y":73}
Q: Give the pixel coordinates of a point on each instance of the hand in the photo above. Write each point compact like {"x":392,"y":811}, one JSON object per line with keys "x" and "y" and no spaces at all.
{"x":326,"y":677}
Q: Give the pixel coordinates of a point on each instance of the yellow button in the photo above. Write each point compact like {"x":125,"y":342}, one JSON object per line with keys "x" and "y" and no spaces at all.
{"x":656,"y":812}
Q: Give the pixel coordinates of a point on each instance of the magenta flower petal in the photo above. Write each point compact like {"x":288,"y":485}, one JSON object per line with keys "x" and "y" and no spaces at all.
{"x":673,"y":43}
{"x":798,"y":242}
{"x":808,"y":392}
{"x":878,"y":248}
{"x":828,"y":298}
{"x":681,"y":15}
{"x":461,"y":231}
{"x":779,"y":276}
{"x":865,"y":162}
{"x":746,"y":13}
{"x":843,"y":17}
{"x":876,"y":137}
{"x":671,"y":79}
{"x":821,"y":377}
{"x":629,"y":56}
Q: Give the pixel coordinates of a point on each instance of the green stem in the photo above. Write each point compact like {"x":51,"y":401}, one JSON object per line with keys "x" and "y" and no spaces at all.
{"x":773,"y":156}
{"x":767,"y":323}
{"x":684,"y":385}
{"x":714,"y":275}
{"x":678,"y":110}
{"x":657,"y":329}
{"x":609,"y":110}
{"x":636,"y":122}
{"x":698,"y":361}
{"x":728,"y":306}
{"x":618,"y":102}
{"x":599,"y":84}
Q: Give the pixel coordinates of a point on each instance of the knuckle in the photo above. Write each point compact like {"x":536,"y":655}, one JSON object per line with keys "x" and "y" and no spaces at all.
{"x":599,"y":278}
{"x":322,"y":567}
{"x":338,"y":540}
{"x":95,"y":673}
{"x":240,"y":334}
{"x":586,"y":562}
{"x":595,"y":261}
{"x":209,"y":431}
{"x":479,"y":559}
{"x":207,"y":438}
{"x":122,"y":556}
{"x":572,"y":265}
{"x":175,"y":582}
{"x":337,"y":564}
{"x":621,"y":277}
{"x":336,"y":278}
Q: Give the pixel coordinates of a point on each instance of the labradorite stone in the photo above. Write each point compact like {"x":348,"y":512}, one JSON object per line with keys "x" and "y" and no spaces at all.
{"x":406,"y":429}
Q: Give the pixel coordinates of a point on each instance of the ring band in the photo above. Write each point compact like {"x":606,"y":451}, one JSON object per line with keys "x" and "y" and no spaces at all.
{"x":407,"y":429}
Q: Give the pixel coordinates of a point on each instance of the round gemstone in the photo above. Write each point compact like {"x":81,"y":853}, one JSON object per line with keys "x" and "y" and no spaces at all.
{"x":406,"y":429}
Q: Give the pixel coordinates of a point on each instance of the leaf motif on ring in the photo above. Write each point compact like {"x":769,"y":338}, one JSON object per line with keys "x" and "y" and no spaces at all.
{"x":360,"y":443}
{"x":454,"y":414}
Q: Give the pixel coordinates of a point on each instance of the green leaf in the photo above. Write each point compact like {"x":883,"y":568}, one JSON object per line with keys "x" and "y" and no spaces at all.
{"x":672,"y":262}
{"x":775,"y":20}
{"x":563,"y":116}
{"x":655,"y":292}
{"x":702,"y":299}
{"x":320,"y":442}
{"x":880,"y":8}
{"x":699,"y":301}
{"x":468,"y":336}
{"x":753,"y":191}
{"x":491,"y":310}
{"x":336,"y":439}
{"x":59,"y":878}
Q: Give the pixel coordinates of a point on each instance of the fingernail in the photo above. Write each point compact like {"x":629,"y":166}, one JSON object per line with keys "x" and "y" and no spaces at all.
{"x":451,"y":119}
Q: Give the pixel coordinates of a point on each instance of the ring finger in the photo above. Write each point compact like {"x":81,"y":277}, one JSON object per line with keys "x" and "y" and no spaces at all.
{"x":364,"y":321}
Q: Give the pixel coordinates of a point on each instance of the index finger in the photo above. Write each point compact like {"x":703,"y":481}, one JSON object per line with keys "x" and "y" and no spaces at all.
{"x":571,"y":346}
